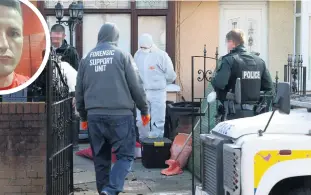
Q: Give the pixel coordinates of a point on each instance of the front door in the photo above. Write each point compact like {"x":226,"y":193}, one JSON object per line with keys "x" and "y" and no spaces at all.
{"x":251,"y":18}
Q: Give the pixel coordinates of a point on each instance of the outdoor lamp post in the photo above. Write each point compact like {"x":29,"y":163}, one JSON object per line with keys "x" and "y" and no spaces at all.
{"x":75,"y":10}
{"x":75,"y":16}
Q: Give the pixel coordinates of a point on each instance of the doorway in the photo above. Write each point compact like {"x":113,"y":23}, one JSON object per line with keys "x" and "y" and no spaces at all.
{"x":249,"y":17}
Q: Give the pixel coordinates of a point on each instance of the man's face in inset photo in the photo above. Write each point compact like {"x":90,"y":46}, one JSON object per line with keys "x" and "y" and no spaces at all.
{"x":11,"y":39}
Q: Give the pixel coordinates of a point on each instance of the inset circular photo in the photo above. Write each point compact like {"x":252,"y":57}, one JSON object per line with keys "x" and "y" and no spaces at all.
{"x":24,"y":35}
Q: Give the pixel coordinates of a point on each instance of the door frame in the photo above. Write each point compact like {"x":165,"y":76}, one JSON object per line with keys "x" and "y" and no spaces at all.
{"x":304,"y":37}
{"x":263,"y":5}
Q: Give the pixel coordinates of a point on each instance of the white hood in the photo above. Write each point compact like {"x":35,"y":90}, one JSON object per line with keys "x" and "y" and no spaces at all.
{"x":297,"y":122}
{"x":145,"y":40}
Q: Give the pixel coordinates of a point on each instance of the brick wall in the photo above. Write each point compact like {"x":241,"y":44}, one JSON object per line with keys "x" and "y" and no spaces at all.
{"x":22,"y":148}
{"x":34,"y":43}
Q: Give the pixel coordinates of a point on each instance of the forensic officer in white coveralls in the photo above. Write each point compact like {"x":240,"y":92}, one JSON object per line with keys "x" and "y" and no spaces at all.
{"x":156,"y":70}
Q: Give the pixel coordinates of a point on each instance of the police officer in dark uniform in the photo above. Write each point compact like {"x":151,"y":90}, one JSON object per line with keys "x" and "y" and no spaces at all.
{"x":251,"y":70}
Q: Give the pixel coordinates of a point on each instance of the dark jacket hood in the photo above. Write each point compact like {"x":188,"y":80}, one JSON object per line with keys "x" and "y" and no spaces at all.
{"x":108,"y":33}
{"x":63,"y":47}
{"x":239,"y":48}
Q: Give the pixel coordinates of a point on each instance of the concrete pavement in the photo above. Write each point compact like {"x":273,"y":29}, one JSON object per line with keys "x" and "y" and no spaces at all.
{"x":140,"y":181}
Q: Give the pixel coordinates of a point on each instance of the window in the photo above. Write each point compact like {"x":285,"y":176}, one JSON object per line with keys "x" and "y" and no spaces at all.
{"x":132,"y":17}
{"x":309,"y":59}
{"x":93,"y":4}
{"x":298,"y":35}
{"x":297,"y":27}
{"x":104,"y":4}
{"x":155,"y":26}
{"x":151,"y":4}
{"x":298,"y":7}
{"x":93,"y":22}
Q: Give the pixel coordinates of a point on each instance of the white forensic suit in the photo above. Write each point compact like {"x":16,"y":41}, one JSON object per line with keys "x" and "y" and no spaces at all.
{"x":71,"y":77}
{"x":70,"y":74}
{"x":156,"y":70}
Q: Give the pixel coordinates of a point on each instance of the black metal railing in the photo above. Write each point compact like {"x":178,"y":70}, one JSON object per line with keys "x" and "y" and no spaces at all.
{"x":59,"y":131}
{"x":204,"y":120}
{"x":296,"y":74}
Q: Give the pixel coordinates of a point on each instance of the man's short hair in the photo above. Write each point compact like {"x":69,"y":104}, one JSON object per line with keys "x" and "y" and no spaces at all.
{"x":14,"y":4}
{"x":58,"y":28}
{"x":237,"y":36}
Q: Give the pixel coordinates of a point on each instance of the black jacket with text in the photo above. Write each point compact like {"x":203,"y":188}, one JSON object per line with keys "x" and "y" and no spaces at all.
{"x":250,"y":68}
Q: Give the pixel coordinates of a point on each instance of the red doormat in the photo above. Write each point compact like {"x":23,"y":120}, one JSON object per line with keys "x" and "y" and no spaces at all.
{"x":87,"y":153}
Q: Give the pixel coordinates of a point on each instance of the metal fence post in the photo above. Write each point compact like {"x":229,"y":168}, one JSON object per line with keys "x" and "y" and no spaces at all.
{"x":296,"y":74}
{"x":49,"y":100}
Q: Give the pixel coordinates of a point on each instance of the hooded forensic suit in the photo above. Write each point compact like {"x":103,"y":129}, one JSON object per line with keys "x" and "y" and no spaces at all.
{"x":156,"y":70}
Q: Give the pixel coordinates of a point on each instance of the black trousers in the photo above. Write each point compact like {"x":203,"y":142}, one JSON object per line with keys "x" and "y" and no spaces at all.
{"x":240,"y":114}
{"x":243,"y":111}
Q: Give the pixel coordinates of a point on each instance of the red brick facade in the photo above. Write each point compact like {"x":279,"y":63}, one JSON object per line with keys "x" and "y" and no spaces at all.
{"x":22,"y":148}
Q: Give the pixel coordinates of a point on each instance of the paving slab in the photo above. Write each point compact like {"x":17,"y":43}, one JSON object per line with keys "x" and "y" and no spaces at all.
{"x":139,"y":181}
{"x":161,"y":193}
{"x":83,"y":169}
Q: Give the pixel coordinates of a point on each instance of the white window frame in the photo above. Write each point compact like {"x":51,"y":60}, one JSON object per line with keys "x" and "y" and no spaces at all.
{"x":304,"y":38}
{"x":296,"y":15}
{"x":304,"y":15}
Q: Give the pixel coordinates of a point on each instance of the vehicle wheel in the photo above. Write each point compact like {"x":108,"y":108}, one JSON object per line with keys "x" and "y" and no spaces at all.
{"x":300,"y":191}
{"x":309,"y":109}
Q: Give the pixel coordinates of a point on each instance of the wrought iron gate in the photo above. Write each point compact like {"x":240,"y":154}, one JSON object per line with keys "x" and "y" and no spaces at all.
{"x":204,"y":120}
{"x":59,"y":134}
{"x":296,"y":74}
